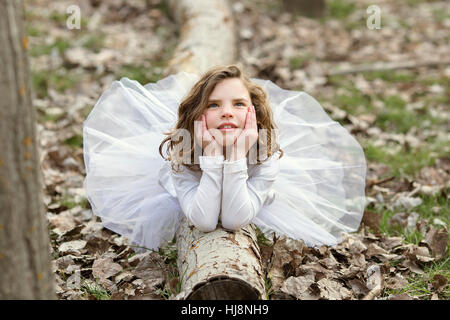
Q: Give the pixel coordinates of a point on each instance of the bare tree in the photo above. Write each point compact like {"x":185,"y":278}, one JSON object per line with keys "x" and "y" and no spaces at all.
{"x":24,"y":241}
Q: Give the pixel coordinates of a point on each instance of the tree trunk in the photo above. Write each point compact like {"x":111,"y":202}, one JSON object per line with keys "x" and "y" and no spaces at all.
{"x":309,"y":8}
{"x":24,"y":241}
{"x":220,"y":264}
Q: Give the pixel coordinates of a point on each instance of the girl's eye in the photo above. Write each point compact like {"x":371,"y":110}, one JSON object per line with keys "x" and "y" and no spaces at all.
{"x":214,"y":104}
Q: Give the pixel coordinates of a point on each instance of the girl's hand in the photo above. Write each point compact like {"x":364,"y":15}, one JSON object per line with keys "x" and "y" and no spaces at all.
{"x":247,"y":138}
{"x":205,"y":139}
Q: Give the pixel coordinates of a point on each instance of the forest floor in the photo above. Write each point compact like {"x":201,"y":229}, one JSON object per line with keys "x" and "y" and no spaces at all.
{"x":400,"y":117}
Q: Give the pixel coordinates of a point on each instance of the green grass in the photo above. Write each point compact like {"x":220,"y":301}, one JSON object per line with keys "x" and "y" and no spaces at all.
{"x":96,"y":290}
{"x":33,"y":30}
{"x":390,"y":76}
{"x":425,"y":212}
{"x":45,"y":49}
{"x":59,"y":80}
{"x":340,"y":9}
{"x":140,"y":73}
{"x":75,"y":142}
{"x":402,"y":162}
{"x":94,"y":41}
{"x":418,"y":285}
{"x":440,"y":15}
{"x":354,"y":102}
{"x":395,"y":116}
{"x":298,"y":62}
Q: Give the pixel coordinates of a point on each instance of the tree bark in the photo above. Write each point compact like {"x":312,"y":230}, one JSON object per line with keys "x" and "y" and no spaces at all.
{"x":24,"y":240}
{"x":220,"y":264}
{"x":207,"y":35}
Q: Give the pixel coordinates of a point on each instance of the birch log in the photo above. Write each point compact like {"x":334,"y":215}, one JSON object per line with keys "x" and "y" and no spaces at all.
{"x":207,"y":35}
{"x":221,"y":264}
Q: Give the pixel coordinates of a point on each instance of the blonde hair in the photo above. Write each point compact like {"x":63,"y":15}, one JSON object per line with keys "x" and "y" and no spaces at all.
{"x":195,"y":103}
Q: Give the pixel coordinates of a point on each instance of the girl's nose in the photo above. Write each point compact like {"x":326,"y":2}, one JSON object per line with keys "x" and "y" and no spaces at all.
{"x":227,"y":111}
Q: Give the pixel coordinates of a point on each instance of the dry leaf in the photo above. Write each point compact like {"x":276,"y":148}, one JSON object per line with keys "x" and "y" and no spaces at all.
{"x":299,"y":287}
{"x":74,"y":247}
{"x":437,"y":241}
{"x":439,"y":282}
{"x":396,"y":282}
{"x":104,"y":268}
{"x":403,"y":296}
{"x":333,"y":290}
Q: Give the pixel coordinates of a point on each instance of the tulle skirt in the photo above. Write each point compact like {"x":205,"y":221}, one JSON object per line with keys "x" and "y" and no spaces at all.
{"x":318,"y":194}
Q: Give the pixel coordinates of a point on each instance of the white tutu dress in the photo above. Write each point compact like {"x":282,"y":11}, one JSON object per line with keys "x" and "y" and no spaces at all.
{"x":318,"y":194}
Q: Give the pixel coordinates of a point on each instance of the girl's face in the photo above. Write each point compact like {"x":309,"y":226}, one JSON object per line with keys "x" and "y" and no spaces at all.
{"x":228,"y":103}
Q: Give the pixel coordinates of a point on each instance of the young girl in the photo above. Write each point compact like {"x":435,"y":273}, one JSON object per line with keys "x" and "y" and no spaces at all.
{"x":238,"y":151}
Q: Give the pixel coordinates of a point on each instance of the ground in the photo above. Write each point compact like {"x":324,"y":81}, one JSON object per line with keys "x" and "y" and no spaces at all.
{"x":399,"y":116}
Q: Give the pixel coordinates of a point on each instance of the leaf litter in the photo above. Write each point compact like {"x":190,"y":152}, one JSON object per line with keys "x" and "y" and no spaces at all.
{"x":91,"y":262}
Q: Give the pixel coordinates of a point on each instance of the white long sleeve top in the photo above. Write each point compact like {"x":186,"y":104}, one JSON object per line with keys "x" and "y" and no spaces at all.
{"x":232,"y":191}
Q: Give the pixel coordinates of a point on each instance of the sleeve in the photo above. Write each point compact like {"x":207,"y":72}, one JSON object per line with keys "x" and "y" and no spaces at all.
{"x":243,"y":196}
{"x":201,"y":200}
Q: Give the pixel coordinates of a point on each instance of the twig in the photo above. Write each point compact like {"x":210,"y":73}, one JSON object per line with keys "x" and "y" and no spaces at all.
{"x":373,"y":183}
{"x":373,"y":293}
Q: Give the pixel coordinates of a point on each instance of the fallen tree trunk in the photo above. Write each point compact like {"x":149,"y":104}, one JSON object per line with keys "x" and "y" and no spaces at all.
{"x":386,"y":66}
{"x":220,"y":264}
{"x":207,"y":35}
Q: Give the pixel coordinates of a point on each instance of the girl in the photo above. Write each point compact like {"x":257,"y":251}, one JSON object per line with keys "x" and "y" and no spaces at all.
{"x":224,"y":163}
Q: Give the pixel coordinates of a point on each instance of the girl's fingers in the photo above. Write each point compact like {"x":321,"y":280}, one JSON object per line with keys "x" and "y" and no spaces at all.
{"x":248,"y":119}
{"x":253,"y":117}
{"x":204,"y":125}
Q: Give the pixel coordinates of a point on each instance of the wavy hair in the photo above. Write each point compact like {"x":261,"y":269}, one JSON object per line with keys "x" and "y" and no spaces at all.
{"x":195,"y":104}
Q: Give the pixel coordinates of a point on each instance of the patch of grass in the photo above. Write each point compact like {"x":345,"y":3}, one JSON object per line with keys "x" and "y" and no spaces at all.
{"x":397,"y":118}
{"x":56,"y":79}
{"x":142,"y":74}
{"x":94,"y":41}
{"x":268,"y":286}
{"x":45,"y":117}
{"x":390,"y":76}
{"x":45,"y":49}
{"x":425,"y":212}
{"x":298,"y":61}
{"x":418,"y":284}
{"x":70,"y":203}
{"x":33,"y":31}
{"x":402,"y":162}
{"x":440,"y":15}
{"x":96,"y":290}
{"x":340,"y":9}
{"x":261,"y":238}
{"x":86,"y":110}
{"x":75,"y":141}
{"x":354,"y":102}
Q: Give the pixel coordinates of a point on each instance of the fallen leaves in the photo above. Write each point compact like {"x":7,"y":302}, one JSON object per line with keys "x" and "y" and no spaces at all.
{"x":362,"y":266}
{"x":295,"y":54}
